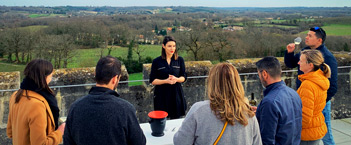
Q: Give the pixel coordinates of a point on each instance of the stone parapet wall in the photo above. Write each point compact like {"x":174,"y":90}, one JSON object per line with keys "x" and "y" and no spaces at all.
{"x":248,"y":65}
{"x":8,"y":81}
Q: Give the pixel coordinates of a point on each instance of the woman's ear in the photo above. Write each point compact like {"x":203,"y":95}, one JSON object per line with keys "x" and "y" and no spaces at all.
{"x":163,"y":46}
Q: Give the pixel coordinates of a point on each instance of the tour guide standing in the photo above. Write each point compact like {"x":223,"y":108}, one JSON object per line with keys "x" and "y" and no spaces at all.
{"x":102,"y":118}
{"x":167,"y":74}
{"x":279,"y":114}
{"x":315,"y":40}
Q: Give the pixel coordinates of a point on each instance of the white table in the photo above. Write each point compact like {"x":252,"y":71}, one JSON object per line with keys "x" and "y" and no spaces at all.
{"x":172,"y":127}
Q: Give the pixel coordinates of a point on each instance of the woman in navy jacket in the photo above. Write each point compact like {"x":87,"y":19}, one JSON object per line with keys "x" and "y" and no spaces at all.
{"x":167,"y":74}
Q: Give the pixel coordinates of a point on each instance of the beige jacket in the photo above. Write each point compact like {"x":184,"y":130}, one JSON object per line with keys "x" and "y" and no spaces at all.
{"x":31,"y":122}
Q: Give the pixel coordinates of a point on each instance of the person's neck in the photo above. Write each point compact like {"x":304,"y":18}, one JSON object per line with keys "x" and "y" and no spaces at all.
{"x":105,"y":86}
{"x":273,"y":81}
{"x":315,"y":47}
{"x":169,"y":57}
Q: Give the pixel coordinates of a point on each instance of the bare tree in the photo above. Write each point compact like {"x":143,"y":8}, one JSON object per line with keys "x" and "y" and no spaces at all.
{"x":219,"y":42}
{"x":138,"y":50}
{"x":191,"y":41}
{"x":14,"y":42}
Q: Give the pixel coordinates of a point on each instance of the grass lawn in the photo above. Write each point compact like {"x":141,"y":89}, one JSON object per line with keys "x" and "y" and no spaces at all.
{"x":338,"y":30}
{"x":44,"y":15}
{"x":135,"y":76}
{"x":89,"y":57}
{"x":335,"y":30}
{"x":38,"y":15}
{"x":34,"y":28}
{"x":9,"y":67}
{"x":283,"y":20}
{"x":272,"y":25}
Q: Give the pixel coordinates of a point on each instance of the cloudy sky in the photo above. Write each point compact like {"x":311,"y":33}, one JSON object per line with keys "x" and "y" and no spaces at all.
{"x":207,"y":3}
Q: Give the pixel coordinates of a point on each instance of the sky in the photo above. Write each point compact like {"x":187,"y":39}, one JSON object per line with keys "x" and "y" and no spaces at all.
{"x":206,"y":3}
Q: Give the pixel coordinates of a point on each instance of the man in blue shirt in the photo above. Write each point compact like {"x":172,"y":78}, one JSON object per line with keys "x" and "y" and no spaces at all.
{"x":315,"y":40}
{"x":279,"y":114}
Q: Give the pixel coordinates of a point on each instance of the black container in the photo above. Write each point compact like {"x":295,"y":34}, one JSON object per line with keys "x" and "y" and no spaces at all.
{"x":157,"y":122}
{"x":157,"y":126}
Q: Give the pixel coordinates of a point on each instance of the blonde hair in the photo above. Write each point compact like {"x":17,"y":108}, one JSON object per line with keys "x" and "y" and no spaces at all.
{"x":227,"y":95}
{"x":316,"y":58}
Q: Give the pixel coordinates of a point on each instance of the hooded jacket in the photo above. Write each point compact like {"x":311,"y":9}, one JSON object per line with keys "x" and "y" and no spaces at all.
{"x":313,"y":92}
{"x":31,"y":122}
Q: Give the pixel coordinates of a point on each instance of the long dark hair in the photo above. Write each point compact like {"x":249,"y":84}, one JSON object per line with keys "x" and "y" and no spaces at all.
{"x":37,"y":70}
{"x":165,"y":41}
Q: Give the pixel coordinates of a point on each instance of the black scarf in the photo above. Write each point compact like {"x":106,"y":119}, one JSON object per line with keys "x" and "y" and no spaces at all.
{"x":29,"y":84}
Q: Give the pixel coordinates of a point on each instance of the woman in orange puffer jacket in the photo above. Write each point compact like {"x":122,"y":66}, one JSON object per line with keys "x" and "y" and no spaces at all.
{"x":313,"y":93}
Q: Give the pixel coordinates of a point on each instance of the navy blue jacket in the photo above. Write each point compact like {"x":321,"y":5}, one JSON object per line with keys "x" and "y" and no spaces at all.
{"x":279,"y":115}
{"x":291,"y":61}
{"x":102,"y":118}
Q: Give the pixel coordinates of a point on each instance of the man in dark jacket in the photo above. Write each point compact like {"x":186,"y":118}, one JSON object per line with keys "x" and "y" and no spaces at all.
{"x":315,"y":40}
{"x":102,"y":118}
{"x":279,"y":114}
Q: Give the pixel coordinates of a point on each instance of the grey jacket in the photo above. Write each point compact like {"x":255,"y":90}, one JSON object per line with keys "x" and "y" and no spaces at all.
{"x":202,"y":127}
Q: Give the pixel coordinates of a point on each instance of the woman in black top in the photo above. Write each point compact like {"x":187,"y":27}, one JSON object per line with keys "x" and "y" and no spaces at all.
{"x":167,"y":74}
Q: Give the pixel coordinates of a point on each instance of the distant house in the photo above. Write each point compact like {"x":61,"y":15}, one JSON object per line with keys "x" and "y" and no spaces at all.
{"x":229,"y":28}
{"x":233,"y":28}
{"x":269,"y":18}
{"x":182,"y":28}
{"x":218,"y":22}
{"x":238,"y":28}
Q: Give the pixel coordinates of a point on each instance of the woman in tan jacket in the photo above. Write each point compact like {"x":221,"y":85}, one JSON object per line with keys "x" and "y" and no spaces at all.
{"x":313,"y":93}
{"x":33,"y":116}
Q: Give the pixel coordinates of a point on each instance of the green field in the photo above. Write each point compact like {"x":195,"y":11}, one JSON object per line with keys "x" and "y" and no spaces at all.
{"x":44,"y":15}
{"x":89,"y":58}
{"x":34,"y":28}
{"x":335,"y":30}
{"x":272,"y":25}
{"x":135,"y":76}
{"x":282,"y":21}
{"x":338,"y":30}
{"x":9,"y":67}
{"x":165,"y":10}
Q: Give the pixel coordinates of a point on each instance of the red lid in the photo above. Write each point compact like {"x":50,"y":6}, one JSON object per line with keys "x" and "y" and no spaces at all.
{"x":158,"y":114}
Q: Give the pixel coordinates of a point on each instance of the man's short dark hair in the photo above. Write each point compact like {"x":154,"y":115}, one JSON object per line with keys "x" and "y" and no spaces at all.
{"x":320,"y":33}
{"x":107,"y":68}
{"x":271,"y":65}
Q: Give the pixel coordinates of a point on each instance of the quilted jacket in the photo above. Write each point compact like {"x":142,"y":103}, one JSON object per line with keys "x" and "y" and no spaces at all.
{"x":313,"y":93}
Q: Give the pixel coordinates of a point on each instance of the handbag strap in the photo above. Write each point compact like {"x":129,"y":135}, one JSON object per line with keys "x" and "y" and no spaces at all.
{"x":220,"y":135}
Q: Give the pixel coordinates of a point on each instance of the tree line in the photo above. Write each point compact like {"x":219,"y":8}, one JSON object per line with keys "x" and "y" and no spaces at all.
{"x":57,"y":39}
